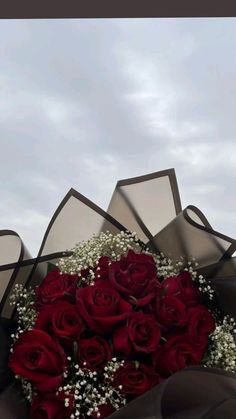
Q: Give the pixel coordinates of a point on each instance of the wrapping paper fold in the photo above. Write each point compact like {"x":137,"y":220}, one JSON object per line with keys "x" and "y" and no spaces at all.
{"x":149,"y":205}
{"x":191,"y":393}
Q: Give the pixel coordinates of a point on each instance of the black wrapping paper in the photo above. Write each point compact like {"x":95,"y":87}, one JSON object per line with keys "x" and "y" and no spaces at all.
{"x":149,"y":205}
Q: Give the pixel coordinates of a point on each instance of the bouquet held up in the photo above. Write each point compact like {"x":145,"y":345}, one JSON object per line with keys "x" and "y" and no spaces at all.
{"x":122,"y":315}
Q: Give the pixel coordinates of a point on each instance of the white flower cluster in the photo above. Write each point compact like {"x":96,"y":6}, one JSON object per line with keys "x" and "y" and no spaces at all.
{"x":87,"y":254}
{"x":86,"y":390}
{"x":23,"y":300}
{"x":222,"y":347}
{"x":205,"y":287}
{"x":27,"y":389}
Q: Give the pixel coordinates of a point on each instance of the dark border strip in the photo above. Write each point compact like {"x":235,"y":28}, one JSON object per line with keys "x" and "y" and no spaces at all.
{"x":8,"y":233}
{"x":175,"y":191}
{"x":15,"y":9}
{"x":32,"y":261}
{"x":144,"y":178}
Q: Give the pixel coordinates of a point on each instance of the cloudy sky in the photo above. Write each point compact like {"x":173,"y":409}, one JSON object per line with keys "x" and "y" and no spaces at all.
{"x":84,"y":103}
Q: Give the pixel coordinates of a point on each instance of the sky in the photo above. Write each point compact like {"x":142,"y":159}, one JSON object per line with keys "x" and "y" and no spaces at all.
{"x":84,"y":103}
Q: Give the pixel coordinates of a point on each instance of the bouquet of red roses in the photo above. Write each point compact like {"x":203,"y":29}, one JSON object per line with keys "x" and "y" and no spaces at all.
{"x":110,"y":322}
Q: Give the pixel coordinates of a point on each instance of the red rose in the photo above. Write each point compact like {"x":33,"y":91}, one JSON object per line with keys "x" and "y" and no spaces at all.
{"x":135,"y":277}
{"x":101,"y":307}
{"x":38,"y":358}
{"x":56,"y":286}
{"x":104,"y":410}
{"x":176,"y":354}
{"x":142,"y":334}
{"x":182,"y":287}
{"x":103,"y":268}
{"x":171,"y":311}
{"x":62,"y":319}
{"x":200,"y":324}
{"x":49,"y":406}
{"x":135,"y":379}
{"x":95,"y":351}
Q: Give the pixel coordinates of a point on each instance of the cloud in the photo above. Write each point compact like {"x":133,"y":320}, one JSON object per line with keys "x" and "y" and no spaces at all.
{"x":86,"y":102}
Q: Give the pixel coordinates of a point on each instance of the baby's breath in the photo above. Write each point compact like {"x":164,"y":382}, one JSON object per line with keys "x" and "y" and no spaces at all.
{"x":91,"y":389}
{"x":23,"y":300}
{"x":87,"y":254}
{"x":27,"y":389}
{"x":166,"y":268}
{"x":222,"y":347}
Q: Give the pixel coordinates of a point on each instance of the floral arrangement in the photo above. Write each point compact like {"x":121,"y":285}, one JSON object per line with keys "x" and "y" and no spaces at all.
{"x":110,"y":322}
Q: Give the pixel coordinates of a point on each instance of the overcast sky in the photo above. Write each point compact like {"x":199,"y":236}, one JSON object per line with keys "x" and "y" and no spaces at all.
{"x":84,"y":103}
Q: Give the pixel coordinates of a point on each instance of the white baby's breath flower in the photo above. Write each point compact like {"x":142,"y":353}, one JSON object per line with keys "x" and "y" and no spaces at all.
{"x":222,"y":349}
